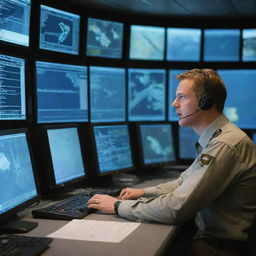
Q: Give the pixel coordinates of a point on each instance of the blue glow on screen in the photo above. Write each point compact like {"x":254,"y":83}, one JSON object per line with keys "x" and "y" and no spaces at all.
{"x":107,"y":94}
{"x":249,"y":44}
{"x":146,"y":94}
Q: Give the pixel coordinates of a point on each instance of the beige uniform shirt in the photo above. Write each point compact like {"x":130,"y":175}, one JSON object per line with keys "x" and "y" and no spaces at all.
{"x":219,"y":187}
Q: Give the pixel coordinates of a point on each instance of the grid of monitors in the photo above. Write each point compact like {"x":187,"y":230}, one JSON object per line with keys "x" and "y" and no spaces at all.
{"x":240,"y":106}
{"x":15,"y":21}
{"x":107,"y":94}
{"x":113,"y":148}
{"x":221,"y":44}
{"x":104,"y":38}
{"x":17,"y":180}
{"x":66,"y":164}
{"x":187,"y":141}
{"x":146,"y":94}
{"x":12,"y":83}
{"x":59,"y":30}
{"x":183,"y":44}
{"x":156,"y":142}
{"x":62,"y":92}
{"x":147,"y":43}
{"x":249,"y":42}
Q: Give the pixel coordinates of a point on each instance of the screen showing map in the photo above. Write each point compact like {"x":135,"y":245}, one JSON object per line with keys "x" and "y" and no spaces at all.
{"x":147,"y":43}
{"x":249,"y":44}
{"x":104,"y":38}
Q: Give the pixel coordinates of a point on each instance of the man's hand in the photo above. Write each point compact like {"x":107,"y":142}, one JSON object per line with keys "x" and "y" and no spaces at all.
{"x":103,"y":203}
{"x":131,"y":193}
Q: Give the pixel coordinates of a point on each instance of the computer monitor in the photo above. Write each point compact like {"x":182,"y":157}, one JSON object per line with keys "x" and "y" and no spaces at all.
{"x":104,"y":38}
{"x":60,"y":157}
{"x":62,"y":93}
{"x":187,"y":141}
{"x":13,"y":91}
{"x":146,"y":94}
{"x":156,"y":144}
{"x":107,"y":94}
{"x":147,"y":42}
{"x":240,"y":106}
{"x":113,"y":150}
{"x":183,"y":44}
{"x":17,"y":180}
{"x":221,"y":44}
{"x":249,"y":42}
{"x":15,"y":21}
{"x":59,"y":30}
{"x":254,"y":137}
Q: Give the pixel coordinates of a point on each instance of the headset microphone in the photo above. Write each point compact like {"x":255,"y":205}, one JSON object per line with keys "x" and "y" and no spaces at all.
{"x":183,"y":117}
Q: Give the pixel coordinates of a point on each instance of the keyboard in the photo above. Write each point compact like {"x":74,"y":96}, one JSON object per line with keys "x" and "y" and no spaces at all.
{"x":14,"y":245}
{"x":73,"y":207}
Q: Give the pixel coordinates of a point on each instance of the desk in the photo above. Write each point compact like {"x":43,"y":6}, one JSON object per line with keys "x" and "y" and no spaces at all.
{"x":148,"y":239}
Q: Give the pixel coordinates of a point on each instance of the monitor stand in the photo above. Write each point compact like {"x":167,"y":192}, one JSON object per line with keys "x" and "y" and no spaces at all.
{"x":17,"y":226}
{"x":125,"y":179}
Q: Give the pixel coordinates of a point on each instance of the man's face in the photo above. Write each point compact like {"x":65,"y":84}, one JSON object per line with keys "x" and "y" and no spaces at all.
{"x":186,"y":103}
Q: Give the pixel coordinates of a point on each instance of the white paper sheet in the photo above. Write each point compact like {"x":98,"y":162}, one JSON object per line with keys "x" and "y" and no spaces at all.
{"x":95,"y":230}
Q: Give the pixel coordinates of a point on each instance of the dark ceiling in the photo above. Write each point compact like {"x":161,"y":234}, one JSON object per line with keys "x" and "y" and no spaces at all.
{"x":174,"y":8}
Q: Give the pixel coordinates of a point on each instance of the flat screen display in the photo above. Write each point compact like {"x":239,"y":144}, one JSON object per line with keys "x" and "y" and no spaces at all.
{"x":146,"y":94}
{"x":104,"y":38}
{"x":62,"y":92}
{"x":15,"y":21}
{"x":107,"y":94}
{"x":147,"y":43}
{"x":59,"y":30}
{"x":249,"y":45}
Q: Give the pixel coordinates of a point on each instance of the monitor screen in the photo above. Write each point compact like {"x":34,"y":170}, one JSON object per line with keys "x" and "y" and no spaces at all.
{"x":221,"y":44}
{"x":240,"y":106}
{"x":12,"y":82}
{"x":113,"y":148}
{"x":62,"y":92}
{"x":173,"y":83}
{"x":107,"y":94}
{"x":187,"y":141}
{"x":17,"y":181}
{"x":104,"y":38}
{"x":59,"y":30}
{"x":183,"y":44}
{"x":146,"y":94}
{"x":254,"y":137}
{"x":249,"y":42}
{"x":66,"y":155}
{"x":15,"y":21}
{"x":157,"y":143}
{"x":147,"y":43}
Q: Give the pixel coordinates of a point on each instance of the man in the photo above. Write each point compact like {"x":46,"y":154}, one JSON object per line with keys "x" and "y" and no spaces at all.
{"x":219,"y":188}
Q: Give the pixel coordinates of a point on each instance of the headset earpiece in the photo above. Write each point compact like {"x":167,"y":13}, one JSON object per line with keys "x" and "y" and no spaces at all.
{"x":206,"y":101}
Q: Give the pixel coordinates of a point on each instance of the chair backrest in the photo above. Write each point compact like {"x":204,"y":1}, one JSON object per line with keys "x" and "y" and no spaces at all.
{"x":251,"y":244}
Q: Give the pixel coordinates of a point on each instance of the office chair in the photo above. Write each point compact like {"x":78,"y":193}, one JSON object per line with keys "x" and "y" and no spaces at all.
{"x":251,"y":243}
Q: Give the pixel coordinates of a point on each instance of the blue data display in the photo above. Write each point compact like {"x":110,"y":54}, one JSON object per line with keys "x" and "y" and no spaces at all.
{"x":146,"y":94}
{"x":59,"y":30}
{"x":15,"y":21}
{"x":13,"y":92}
{"x":157,"y":143}
{"x":249,"y":42}
{"x":62,"y":92}
{"x":113,"y":148}
{"x":104,"y":38}
{"x":66,"y":154}
{"x":107,"y":94}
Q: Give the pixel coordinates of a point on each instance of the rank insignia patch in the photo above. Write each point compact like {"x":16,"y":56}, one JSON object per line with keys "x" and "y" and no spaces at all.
{"x":205,"y":159}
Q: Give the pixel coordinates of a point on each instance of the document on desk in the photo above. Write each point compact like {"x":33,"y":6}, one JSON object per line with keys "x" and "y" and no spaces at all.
{"x":95,"y":230}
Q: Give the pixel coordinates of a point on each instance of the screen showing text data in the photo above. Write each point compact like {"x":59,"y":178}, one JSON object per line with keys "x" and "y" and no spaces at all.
{"x":157,"y":143}
{"x":66,"y":154}
{"x":62,"y":92}
{"x":183,"y":44}
{"x":104,"y":38}
{"x":15,"y":21}
{"x":107,"y":94}
{"x":249,"y":45}
{"x":59,"y":30}
{"x":146,"y":94}
{"x":113,"y":148}
{"x":147,"y":43}
{"x":17,"y":180}
{"x":12,"y":85}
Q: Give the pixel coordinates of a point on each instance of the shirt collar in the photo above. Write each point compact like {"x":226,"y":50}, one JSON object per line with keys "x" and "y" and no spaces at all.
{"x":219,"y":122}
